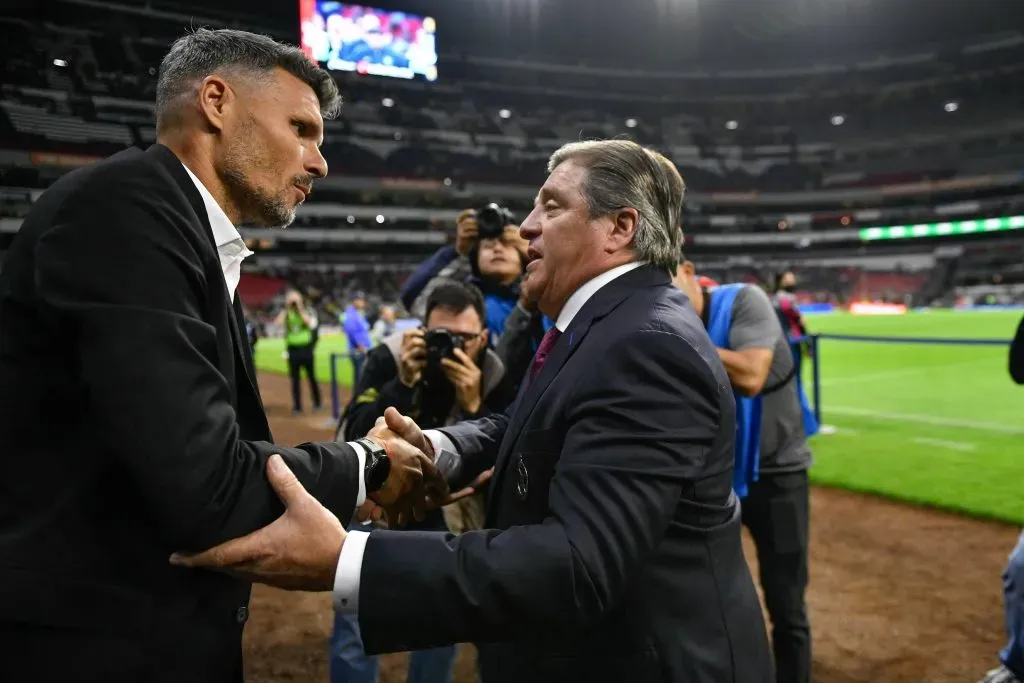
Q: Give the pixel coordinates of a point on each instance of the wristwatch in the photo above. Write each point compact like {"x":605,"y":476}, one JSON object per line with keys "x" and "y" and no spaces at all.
{"x":378,"y":464}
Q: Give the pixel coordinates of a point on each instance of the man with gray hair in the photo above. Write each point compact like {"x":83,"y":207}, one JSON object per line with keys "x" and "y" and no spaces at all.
{"x":611,"y":549}
{"x":129,"y":412}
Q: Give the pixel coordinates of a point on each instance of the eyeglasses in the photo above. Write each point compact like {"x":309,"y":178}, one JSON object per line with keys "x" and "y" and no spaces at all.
{"x":466,"y":337}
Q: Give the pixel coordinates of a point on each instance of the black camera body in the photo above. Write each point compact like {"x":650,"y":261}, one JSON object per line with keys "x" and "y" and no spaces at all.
{"x":491,"y":221}
{"x":440,"y":344}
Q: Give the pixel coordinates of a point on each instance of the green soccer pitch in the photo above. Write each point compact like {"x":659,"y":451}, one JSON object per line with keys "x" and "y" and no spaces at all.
{"x":272,"y":357}
{"x":932,"y":424}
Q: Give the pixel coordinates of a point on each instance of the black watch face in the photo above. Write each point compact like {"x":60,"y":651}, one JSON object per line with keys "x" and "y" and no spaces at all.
{"x":380,"y":472}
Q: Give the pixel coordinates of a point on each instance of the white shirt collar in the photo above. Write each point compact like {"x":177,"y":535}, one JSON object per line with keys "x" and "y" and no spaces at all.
{"x":224,"y":232}
{"x":587,"y":290}
{"x":230,"y":246}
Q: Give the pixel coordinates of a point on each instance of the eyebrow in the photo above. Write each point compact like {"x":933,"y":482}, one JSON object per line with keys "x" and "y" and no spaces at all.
{"x":545,"y":193}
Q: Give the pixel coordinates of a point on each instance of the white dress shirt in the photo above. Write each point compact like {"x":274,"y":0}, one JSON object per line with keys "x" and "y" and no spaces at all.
{"x":230,"y":245}
{"x":232,"y":251}
{"x":346,"y":577}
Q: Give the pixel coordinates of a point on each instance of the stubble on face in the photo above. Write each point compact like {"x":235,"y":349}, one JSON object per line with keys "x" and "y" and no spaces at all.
{"x":243,"y":162}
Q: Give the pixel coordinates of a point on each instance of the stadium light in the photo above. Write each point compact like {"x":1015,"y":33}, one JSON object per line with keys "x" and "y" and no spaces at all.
{"x":732,"y":125}
{"x":447,"y":182}
{"x":838,"y":120}
{"x":59,"y":62}
{"x":951,"y":107}
{"x":388,"y":102}
{"x":380,"y":219}
{"x":630,"y":123}
{"x":505,"y":113}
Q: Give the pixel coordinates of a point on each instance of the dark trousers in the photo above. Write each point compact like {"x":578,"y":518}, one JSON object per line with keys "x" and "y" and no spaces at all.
{"x":776,"y":511}
{"x":301,"y":358}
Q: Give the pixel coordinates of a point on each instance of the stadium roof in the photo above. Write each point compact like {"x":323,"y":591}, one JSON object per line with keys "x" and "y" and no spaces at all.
{"x":667,"y":33}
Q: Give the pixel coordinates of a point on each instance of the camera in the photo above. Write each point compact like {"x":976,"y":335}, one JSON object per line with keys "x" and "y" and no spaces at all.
{"x":440,"y":344}
{"x":491,"y":221}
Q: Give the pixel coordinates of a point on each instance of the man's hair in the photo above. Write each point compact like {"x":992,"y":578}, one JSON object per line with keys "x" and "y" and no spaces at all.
{"x":203,"y":52}
{"x":621,"y":173}
{"x":455,"y":297}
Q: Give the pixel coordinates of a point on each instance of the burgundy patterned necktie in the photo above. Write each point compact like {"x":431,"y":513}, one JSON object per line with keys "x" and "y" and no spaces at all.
{"x":546,"y":344}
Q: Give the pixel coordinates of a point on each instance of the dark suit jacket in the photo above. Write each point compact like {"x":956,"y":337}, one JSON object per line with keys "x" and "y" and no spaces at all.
{"x":131,"y":427}
{"x":613,"y":551}
{"x":1017,"y":355}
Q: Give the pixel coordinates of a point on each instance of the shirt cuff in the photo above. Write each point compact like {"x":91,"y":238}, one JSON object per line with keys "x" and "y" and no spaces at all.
{"x":346,"y":576}
{"x":446,"y":456}
{"x":361,"y":454}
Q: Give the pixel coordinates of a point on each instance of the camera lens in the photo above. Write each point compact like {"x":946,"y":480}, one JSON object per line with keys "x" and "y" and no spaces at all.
{"x":491,"y":221}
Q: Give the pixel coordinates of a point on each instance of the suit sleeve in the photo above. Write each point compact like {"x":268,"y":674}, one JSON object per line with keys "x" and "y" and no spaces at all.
{"x":476,"y":443}
{"x":638,"y":432}
{"x":129,"y":286}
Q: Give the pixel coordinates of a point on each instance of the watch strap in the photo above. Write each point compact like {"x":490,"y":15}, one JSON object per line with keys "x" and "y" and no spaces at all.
{"x":378,"y":464}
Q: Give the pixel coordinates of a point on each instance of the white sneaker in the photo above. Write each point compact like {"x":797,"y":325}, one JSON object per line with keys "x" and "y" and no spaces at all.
{"x":1000,"y":675}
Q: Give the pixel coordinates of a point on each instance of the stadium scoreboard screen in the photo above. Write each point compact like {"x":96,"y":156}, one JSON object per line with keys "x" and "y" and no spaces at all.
{"x":366,"y":40}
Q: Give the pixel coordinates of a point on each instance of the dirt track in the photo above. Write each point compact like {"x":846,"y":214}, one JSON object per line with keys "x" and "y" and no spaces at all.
{"x":897,"y":593}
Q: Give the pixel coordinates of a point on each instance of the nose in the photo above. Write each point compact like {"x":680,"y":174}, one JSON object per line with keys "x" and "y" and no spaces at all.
{"x":316,"y":165}
{"x":530,"y":228}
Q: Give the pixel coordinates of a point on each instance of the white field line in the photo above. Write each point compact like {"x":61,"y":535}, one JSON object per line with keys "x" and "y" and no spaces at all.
{"x":908,"y":372}
{"x":942,"y":443}
{"x":925,"y":419}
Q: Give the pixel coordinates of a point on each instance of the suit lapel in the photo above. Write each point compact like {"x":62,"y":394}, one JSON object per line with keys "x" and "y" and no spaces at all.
{"x":236,"y":319}
{"x":603,"y":302}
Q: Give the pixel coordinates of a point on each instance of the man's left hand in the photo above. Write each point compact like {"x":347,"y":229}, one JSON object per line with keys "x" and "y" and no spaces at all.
{"x":298,"y":551}
{"x":466,"y":376}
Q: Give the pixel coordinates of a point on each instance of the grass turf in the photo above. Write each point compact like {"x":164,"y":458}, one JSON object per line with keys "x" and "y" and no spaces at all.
{"x":933,"y":424}
{"x":272,"y":357}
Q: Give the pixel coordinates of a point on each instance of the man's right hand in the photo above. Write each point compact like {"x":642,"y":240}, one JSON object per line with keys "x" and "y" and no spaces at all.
{"x":414,"y":480}
{"x":466,"y":232}
{"x":413,"y":357}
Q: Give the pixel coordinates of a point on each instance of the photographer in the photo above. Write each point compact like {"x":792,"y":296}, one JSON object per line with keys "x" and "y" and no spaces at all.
{"x":437,"y":375}
{"x":489,"y":253}
{"x":300,"y":325}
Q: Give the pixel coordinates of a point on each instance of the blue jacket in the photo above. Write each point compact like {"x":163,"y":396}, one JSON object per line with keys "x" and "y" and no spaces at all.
{"x":499,"y":300}
{"x":357,"y":329}
{"x":748,"y":410}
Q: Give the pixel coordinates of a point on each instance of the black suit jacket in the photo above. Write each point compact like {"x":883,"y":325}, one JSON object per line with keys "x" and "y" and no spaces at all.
{"x":614,"y":549}
{"x":131,"y":427}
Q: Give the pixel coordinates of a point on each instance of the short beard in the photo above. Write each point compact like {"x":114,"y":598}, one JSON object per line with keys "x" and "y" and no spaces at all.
{"x":256,"y":207}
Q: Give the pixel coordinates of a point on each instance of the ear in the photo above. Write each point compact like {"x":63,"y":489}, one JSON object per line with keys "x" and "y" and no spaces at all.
{"x":484,"y":337}
{"x":624,"y":222}
{"x":216,"y":98}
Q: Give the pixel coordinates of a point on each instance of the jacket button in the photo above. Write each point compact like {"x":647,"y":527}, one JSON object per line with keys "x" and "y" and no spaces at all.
{"x":242,"y":615}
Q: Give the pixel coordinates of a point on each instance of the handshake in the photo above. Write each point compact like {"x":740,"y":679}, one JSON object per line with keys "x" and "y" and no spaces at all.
{"x":414,"y":484}
{"x":300,"y":549}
